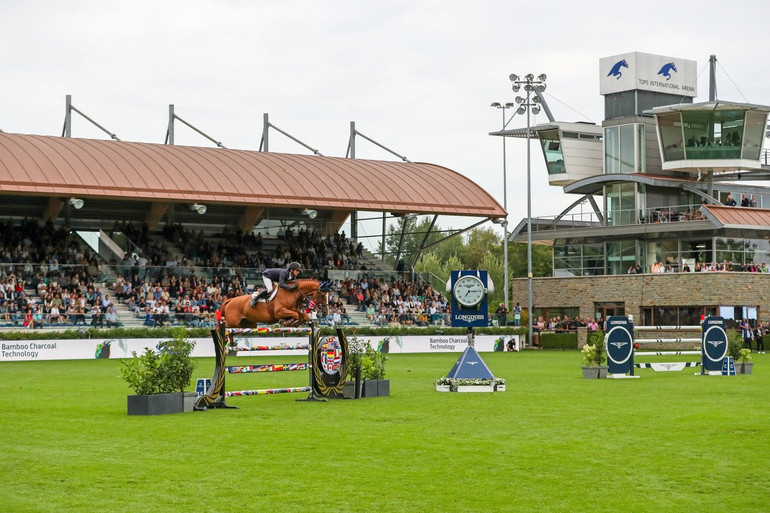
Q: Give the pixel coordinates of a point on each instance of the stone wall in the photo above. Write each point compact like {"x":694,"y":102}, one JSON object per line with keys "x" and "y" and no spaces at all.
{"x":642,"y":290}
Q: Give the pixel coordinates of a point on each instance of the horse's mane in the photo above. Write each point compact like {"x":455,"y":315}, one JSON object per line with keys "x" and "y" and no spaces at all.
{"x":308,"y":281}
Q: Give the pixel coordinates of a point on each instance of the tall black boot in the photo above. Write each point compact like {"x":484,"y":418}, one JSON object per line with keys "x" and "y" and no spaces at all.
{"x":263,"y":294}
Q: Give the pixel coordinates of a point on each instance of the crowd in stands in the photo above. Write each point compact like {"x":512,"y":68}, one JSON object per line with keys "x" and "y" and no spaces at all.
{"x":50,"y":278}
{"x":395,"y":302}
{"x":565,"y":323}
{"x":239,"y":250}
{"x":729,"y":266}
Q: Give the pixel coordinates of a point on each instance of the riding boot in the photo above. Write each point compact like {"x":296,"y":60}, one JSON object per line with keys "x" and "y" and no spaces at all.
{"x":261,"y":295}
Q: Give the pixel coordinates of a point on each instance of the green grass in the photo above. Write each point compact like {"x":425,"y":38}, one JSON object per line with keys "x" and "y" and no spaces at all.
{"x":553,"y":442}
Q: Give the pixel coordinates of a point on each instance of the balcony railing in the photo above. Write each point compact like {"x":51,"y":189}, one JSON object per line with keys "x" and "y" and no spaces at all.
{"x":619,"y":217}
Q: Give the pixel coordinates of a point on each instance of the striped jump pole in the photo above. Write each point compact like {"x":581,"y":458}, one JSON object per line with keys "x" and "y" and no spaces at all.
{"x":265,"y":330}
{"x":276,"y":367}
{"x":667,"y":341}
{"x":276,"y":347}
{"x":667,"y":328}
{"x":667,"y":353}
{"x":267,"y":391}
{"x":666,"y":366}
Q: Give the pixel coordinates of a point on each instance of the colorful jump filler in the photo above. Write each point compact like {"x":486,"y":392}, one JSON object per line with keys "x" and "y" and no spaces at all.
{"x":327,"y":365}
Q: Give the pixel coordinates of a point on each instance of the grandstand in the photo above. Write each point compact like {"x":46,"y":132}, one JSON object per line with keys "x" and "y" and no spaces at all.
{"x":186,"y":227}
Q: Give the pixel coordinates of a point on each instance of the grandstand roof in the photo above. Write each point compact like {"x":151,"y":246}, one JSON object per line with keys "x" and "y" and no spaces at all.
{"x":110,"y":171}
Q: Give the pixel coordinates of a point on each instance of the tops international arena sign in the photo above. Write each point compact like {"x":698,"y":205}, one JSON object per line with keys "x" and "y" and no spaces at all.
{"x":647,"y":72}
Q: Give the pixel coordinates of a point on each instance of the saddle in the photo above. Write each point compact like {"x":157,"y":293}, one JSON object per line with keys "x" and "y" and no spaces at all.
{"x":269,"y":297}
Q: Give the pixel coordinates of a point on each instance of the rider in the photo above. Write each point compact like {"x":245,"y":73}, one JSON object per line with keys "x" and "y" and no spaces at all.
{"x":282,"y":275}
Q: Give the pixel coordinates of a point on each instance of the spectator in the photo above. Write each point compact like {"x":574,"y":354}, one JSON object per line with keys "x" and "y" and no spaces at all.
{"x":97,"y":318}
{"x":111,"y":318}
{"x":37,"y":318}
{"x":502,"y":315}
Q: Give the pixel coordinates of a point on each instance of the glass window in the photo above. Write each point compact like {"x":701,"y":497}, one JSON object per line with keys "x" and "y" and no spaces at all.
{"x":621,"y":148}
{"x":611,"y":150}
{"x":620,"y":256}
{"x":621,"y":209}
{"x":713,"y":134}
{"x":671,"y":136}
{"x":753,"y":134}
{"x":675,"y":316}
{"x":578,"y":260}
{"x":554,"y":159}
{"x":627,"y":153}
{"x":640,"y":157}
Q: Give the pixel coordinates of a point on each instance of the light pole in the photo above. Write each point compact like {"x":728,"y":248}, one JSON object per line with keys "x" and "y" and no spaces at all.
{"x":528,"y":104}
{"x":503,"y":107}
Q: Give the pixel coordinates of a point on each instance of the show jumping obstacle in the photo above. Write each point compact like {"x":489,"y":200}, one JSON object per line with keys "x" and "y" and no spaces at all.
{"x":326,"y":365}
{"x":621,"y":343}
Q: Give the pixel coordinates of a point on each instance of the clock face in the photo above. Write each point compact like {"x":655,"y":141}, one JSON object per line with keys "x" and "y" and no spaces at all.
{"x":469,"y":290}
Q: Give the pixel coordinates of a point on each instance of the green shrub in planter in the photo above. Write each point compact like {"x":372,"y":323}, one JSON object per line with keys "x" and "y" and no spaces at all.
{"x":362,"y":353}
{"x":162,"y":372}
{"x":734,"y":345}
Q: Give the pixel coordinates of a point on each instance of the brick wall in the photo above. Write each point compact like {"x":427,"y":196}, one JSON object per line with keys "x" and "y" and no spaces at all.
{"x":640,"y":290}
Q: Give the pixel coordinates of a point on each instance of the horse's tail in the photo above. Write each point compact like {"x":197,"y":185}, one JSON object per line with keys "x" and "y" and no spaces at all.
{"x":223,"y":306}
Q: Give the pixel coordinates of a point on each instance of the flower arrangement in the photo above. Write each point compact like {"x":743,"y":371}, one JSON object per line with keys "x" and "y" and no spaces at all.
{"x":453,"y":383}
{"x":745,"y":355}
{"x":593,"y":355}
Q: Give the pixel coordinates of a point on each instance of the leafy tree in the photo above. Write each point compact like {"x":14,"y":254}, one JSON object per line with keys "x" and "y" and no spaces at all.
{"x":494,"y":265}
{"x":413,"y":236}
{"x":481,"y":242}
{"x":542,"y":260}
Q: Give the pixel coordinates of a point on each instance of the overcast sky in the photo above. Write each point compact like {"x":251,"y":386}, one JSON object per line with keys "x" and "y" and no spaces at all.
{"x":417,"y":76}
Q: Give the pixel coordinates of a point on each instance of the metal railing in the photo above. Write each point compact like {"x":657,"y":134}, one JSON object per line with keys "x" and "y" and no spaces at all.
{"x":619,"y":217}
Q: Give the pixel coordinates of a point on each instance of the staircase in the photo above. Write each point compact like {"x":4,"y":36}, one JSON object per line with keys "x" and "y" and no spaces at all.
{"x":127,"y":317}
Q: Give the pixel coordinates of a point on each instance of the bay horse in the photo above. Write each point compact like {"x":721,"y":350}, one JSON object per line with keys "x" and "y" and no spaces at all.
{"x":285,"y":307}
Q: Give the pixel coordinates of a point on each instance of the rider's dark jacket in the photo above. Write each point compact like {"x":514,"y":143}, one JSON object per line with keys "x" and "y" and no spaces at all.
{"x":282,"y":276}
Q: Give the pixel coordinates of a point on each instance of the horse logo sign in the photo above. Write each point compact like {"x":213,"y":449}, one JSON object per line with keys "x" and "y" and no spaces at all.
{"x":615,"y":71}
{"x":667,"y":69}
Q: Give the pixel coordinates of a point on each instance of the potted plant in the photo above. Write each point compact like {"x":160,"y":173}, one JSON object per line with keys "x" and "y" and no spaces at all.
{"x":363,"y":358}
{"x":741,"y":355}
{"x":744,"y":365}
{"x":594,"y":357}
{"x":159,"y":377}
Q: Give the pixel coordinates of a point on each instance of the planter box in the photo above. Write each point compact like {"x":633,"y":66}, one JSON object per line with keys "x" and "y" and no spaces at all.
{"x":375,"y":388}
{"x":349,"y":390}
{"x":476,"y":388}
{"x":189,"y":401}
{"x":595,"y":372}
{"x":158,"y":404}
{"x":499,"y":388}
{"x":744,"y":367}
{"x":442,"y":388}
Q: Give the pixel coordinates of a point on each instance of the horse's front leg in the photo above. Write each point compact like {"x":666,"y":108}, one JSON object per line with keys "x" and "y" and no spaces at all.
{"x":297,"y":318}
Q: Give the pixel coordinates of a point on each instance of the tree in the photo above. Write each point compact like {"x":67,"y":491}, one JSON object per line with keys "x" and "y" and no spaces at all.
{"x":542,"y":260}
{"x":481,"y":242}
{"x":414,"y":233}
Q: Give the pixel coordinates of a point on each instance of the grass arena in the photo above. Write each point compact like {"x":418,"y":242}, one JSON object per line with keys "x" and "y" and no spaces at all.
{"x":553,"y":442}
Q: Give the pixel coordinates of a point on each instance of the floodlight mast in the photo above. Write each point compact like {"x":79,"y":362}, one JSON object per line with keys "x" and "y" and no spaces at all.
{"x":529,"y":105}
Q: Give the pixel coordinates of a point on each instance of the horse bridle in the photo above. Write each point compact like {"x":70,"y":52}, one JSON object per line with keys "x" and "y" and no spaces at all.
{"x":308,"y":299}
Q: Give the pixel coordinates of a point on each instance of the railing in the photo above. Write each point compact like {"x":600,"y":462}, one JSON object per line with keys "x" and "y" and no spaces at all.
{"x":619,"y":217}
{"x":63,"y":273}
